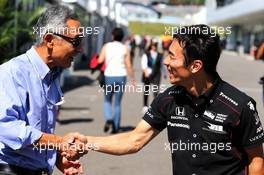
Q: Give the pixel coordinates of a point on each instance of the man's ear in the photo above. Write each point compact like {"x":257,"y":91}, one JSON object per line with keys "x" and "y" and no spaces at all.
{"x":49,"y":40}
{"x":196,"y":66}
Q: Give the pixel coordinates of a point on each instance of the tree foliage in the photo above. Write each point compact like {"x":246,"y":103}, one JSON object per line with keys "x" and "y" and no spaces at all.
{"x":16,"y":23}
{"x":153,"y":29}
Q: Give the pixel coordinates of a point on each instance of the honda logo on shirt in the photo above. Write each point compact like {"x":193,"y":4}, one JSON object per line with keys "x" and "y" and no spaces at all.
{"x":180,"y":111}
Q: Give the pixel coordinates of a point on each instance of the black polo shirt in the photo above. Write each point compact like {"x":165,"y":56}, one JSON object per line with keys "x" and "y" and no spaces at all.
{"x":207,"y":134}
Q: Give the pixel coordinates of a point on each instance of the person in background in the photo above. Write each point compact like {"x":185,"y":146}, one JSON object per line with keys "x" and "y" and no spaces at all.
{"x":260,"y":51}
{"x":117,"y":59}
{"x":260,"y":56}
{"x":131,"y":44}
{"x":151,"y":64}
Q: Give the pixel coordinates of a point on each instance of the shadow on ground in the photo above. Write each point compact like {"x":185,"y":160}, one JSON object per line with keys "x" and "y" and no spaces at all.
{"x":75,"y":81}
{"x":66,"y":108}
{"x":126,"y":128}
{"x":75,"y":120}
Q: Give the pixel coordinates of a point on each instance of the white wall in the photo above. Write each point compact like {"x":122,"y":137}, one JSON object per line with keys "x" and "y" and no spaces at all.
{"x":233,"y":11}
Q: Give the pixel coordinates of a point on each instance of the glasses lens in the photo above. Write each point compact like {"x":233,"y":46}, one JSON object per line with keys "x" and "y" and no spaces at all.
{"x":77,"y":41}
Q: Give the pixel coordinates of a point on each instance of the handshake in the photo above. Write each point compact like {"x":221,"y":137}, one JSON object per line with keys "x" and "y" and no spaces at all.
{"x":71,"y":148}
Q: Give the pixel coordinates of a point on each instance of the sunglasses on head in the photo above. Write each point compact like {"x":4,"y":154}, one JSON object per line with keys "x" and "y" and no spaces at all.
{"x":76,"y":42}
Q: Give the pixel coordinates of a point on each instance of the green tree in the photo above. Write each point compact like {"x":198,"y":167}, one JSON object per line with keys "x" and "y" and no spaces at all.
{"x":16,"y":27}
{"x":153,"y":29}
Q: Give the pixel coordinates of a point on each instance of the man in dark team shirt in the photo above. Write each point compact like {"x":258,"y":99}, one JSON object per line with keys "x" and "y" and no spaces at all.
{"x":213,"y":128}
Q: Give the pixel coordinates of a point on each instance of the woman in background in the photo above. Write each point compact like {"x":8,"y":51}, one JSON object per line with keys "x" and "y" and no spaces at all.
{"x":151,"y":63}
{"x":117,"y":59}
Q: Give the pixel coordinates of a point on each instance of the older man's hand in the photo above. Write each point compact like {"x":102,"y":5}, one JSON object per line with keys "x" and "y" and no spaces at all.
{"x":73,"y":146}
{"x":68,"y":167}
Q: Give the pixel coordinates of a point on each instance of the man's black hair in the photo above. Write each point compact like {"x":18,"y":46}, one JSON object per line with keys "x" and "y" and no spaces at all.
{"x":200,"y":42}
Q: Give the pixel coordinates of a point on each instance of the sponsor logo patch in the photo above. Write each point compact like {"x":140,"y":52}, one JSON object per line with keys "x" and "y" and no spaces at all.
{"x":215,"y":116}
{"x":251,"y":106}
{"x":178,"y":125}
{"x":259,"y":129}
{"x":257,"y":120}
{"x":214,"y":128}
{"x":179,"y":118}
{"x":180,"y":111}
{"x":228,"y":98}
{"x":257,"y":137}
{"x":210,"y":114}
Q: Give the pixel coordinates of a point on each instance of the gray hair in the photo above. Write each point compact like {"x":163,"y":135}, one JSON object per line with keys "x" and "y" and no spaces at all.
{"x":53,"y":20}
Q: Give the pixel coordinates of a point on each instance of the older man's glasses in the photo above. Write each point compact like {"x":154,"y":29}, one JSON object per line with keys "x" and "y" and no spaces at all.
{"x":76,"y":42}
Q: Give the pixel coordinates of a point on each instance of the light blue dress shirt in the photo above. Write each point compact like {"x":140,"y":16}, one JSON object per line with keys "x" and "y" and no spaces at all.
{"x":29,"y":99}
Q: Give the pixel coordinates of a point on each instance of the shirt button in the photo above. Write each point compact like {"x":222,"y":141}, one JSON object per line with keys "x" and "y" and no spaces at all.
{"x":193,"y":174}
{"x":194,"y":135}
{"x":194,"y":155}
{"x":196,"y":115}
{"x":211,"y":101}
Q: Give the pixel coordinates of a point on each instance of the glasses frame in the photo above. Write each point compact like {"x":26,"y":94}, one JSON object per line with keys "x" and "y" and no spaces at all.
{"x":76,"y":42}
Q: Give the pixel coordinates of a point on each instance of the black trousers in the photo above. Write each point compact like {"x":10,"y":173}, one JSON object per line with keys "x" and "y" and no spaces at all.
{"x":6,"y":169}
{"x":155,"y":81}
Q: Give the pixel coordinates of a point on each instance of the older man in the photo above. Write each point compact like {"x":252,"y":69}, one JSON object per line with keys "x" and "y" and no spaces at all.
{"x":213,"y":128}
{"x":30,"y":95}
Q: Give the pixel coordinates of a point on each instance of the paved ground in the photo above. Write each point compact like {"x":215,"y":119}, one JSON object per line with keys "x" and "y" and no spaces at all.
{"x":83,"y":112}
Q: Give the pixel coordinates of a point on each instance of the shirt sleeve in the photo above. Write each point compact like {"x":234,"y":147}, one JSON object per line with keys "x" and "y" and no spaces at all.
{"x":15,"y":133}
{"x":144,"y":62}
{"x":250,"y":128}
{"x":154,"y":116}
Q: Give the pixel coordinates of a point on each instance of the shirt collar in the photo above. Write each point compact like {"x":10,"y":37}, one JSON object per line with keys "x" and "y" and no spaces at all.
{"x":211,"y":91}
{"x":205,"y":97}
{"x":55,"y":72}
{"x":41,"y":67}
